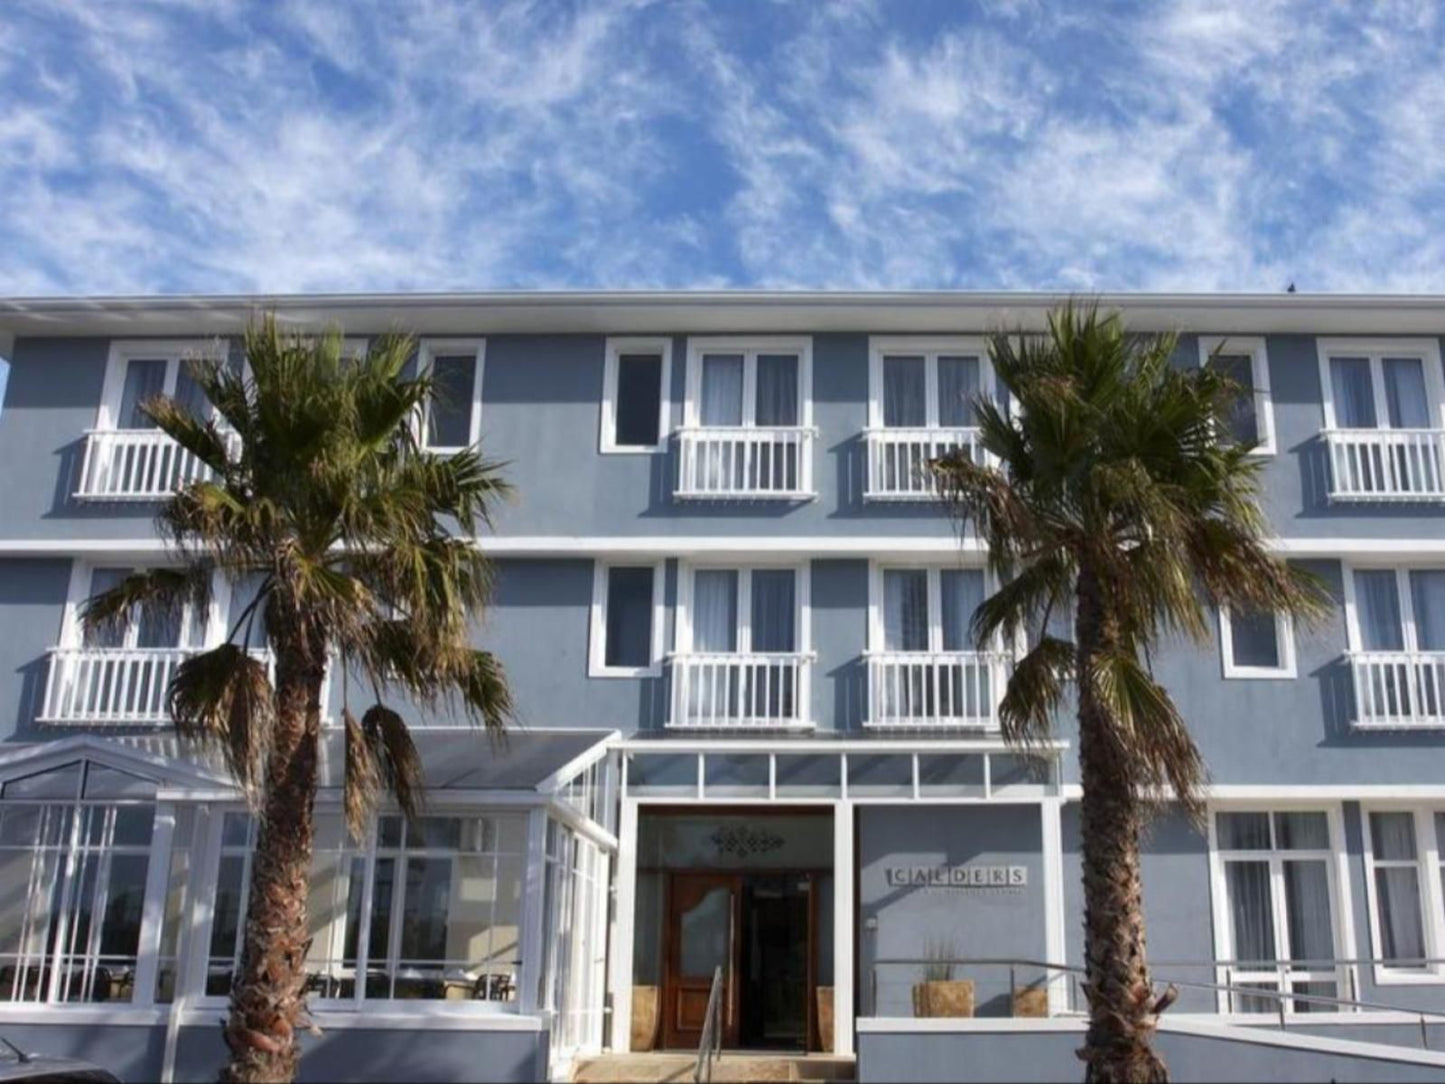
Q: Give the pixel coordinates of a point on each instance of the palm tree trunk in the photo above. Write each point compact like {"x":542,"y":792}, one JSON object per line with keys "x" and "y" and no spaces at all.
{"x":268,"y":995}
{"x":1117,"y":1046}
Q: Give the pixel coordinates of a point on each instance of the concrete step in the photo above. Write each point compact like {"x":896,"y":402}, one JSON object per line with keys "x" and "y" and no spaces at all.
{"x":733,"y":1067}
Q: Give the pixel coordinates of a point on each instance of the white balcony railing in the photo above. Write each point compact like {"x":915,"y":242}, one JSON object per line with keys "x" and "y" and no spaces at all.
{"x":740,"y":462}
{"x":1399,"y":690}
{"x":1386,"y":464}
{"x":898,"y":460}
{"x":725,"y":691}
{"x":99,"y":685}
{"x":135,"y":465}
{"x":944,"y":690}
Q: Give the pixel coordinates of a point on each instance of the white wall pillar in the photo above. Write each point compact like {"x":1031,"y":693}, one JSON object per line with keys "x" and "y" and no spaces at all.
{"x":845,"y":927}
{"x":1051,"y":810}
{"x":623,"y":917}
{"x":534,"y":914}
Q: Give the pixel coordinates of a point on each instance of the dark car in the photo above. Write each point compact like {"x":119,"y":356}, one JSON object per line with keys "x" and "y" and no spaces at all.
{"x":18,"y":1067}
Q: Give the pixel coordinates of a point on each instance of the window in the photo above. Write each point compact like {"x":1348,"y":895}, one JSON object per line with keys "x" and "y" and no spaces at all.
{"x":747,"y":610}
{"x":926,"y":383}
{"x":137,"y":372}
{"x":146,"y":629}
{"x":1276,"y":907}
{"x":430,"y":911}
{"x":1258,"y":644}
{"x":454,"y":414}
{"x":635,"y":395}
{"x":626,"y":638}
{"x":1396,"y":625}
{"x":1381,"y":384}
{"x":1246,"y":362}
{"x":573,"y":964}
{"x":926,"y":609}
{"x":75,"y":850}
{"x":753,"y":383}
{"x":1403,"y":849}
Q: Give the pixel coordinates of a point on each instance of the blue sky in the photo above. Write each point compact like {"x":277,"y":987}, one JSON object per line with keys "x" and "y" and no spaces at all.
{"x":221,"y":145}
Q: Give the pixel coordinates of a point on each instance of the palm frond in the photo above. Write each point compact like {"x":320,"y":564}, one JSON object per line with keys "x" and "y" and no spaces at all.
{"x":396,"y":758}
{"x":222,"y":698}
{"x":1033,"y":693}
{"x":160,"y":592}
{"x":362,"y":785}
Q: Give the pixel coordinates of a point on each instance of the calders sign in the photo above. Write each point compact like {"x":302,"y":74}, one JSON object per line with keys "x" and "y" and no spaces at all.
{"x":969,"y":876}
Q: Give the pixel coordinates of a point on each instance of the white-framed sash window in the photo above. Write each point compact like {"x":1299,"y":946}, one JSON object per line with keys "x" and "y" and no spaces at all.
{"x":1395,"y":623}
{"x":1403,"y":856}
{"x":1381,"y":383}
{"x":749,"y":382}
{"x":138,"y":370}
{"x":1245,"y":360}
{"x":453,"y":414}
{"x":743,"y":609}
{"x":926,"y":382}
{"x":924,"y":608}
{"x":1257,"y":644}
{"x":626,"y":637}
{"x":636,"y":387}
{"x":1280,"y":912}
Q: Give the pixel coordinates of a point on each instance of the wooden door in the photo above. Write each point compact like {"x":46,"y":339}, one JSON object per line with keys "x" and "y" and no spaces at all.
{"x":703,"y":913}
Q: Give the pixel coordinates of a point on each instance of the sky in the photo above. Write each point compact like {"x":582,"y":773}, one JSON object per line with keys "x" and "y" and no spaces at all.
{"x":178,"y":146}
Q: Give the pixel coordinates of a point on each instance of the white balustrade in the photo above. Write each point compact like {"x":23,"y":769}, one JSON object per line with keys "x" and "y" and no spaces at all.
{"x":728,"y":691}
{"x":737,"y":462}
{"x":135,"y":465}
{"x":98,"y":685}
{"x":1399,"y":690}
{"x":1386,"y":464}
{"x":935,"y":690}
{"x":899,"y":459}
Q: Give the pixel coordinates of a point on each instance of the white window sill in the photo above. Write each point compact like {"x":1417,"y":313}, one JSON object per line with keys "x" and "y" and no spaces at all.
{"x":653,"y":671}
{"x":1388,"y":976}
{"x":124,"y":1015}
{"x":1254,"y":673}
{"x":634,"y":449}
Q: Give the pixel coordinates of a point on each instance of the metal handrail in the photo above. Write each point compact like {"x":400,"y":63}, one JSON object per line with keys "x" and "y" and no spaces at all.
{"x":709,"y":1046}
{"x":1281,"y":997}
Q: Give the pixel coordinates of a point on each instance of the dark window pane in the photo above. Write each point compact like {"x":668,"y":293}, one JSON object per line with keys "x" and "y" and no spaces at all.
{"x":424,"y":917}
{"x":144,"y":380}
{"x":1243,"y":424}
{"x":639,"y":399}
{"x":449,"y":421}
{"x":905,"y":402}
{"x":1256,"y":639}
{"x":629,"y":616}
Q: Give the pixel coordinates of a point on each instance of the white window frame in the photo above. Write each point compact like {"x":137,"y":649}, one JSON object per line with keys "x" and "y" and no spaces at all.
{"x":72,"y":633}
{"x":616,"y":347}
{"x":1375,"y":351}
{"x":597,"y":640}
{"x":172,"y":351}
{"x":428,"y":350}
{"x":802,"y":602}
{"x":749,"y":346}
{"x":1427,"y":861}
{"x":1403,"y":596}
{"x":935,"y":571}
{"x":1253,"y":347}
{"x":930,"y":348}
{"x":1284,"y":638}
{"x":1337,"y":870}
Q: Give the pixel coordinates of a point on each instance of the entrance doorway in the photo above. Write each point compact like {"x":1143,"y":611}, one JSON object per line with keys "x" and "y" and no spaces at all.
{"x":762,"y":930}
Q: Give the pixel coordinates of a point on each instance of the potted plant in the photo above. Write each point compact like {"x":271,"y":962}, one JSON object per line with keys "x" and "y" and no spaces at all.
{"x":939,"y":993}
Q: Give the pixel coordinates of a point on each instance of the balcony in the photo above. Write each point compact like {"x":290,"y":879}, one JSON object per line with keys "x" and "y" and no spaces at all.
{"x":135,"y":465}
{"x":745,"y":463}
{"x":1386,"y":464}
{"x":728,"y":691}
{"x":107,"y":685}
{"x":1399,"y":690}
{"x":942,"y":690}
{"x":898,"y":460}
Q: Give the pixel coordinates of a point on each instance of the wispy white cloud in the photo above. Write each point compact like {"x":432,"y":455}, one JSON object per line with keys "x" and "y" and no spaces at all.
{"x":313,"y":144}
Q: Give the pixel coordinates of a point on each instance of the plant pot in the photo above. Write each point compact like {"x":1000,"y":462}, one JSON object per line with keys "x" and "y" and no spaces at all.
{"x":644,"y":1018}
{"x":950,"y":998}
{"x":825,"y":1018}
{"x":1031,"y":1002}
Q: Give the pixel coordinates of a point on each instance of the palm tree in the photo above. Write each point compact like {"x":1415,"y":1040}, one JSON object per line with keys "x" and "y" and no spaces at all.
{"x":322,"y":494}
{"x":1114,"y":500}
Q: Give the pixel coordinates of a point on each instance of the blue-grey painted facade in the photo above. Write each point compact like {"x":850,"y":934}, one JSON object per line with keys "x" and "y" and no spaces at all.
{"x":1288,"y":740}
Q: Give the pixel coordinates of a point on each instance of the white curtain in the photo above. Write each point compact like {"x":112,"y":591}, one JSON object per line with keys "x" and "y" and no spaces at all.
{"x":958,"y":385}
{"x":144,"y":379}
{"x":962,"y":592}
{"x":1244,"y":831}
{"x":773,"y":610}
{"x":715,"y":610}
{"x":905,"y":393}
{"x":722,"y":390}
{"x":1405,"y":401}
{"x":1397,"y":888}
{"x":102,"y":580}
{"x":189,"y":395}
{"x":1378,"y":603}
{"x":1354,"y":393}
{"x":1251,"y":912}
{"x":1427,"y":596}
{"x":1307,"y":912}
{"x":905,"y":609}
